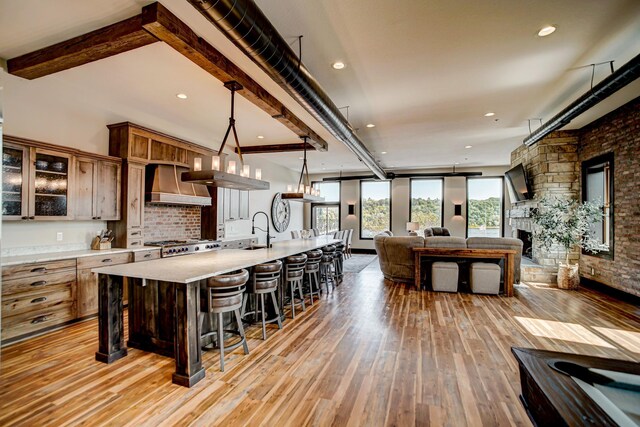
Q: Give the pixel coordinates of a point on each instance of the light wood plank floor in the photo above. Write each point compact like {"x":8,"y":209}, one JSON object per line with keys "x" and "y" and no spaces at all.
{"x":372,"y":353}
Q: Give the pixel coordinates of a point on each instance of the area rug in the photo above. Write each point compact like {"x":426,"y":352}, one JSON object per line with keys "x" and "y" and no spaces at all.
{"x":358,"y":262}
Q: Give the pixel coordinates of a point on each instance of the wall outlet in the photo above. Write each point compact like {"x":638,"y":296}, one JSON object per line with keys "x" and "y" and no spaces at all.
{"x":59,"y":236}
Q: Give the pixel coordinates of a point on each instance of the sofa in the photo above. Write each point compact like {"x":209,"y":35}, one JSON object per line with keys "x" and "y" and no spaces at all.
{"x":397,"y":261}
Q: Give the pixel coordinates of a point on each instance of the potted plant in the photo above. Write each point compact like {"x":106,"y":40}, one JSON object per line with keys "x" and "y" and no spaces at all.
{"x":566,"y":223}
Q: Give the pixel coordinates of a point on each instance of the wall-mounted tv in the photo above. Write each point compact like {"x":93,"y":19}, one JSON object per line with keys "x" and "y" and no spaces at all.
{"x":519,"y":188}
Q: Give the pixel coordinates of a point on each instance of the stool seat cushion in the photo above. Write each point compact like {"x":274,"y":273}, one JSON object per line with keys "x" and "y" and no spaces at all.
{"x":444,"y":276}
{"x":328,"y":248}
{"x":265,"y":285}
{"x":484,"y":278}
{"x":313,"y":254}
{"x":269,"y":267}
{"x":294,"y":274}
{"x":229,"y":280}
{"x":296,"y":259}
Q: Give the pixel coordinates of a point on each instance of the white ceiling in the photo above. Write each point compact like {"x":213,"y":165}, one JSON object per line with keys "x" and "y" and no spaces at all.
{"x":424,"y":72}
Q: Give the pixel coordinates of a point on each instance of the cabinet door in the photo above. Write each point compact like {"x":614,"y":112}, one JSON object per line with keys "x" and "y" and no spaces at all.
{"x":85,"y":189}
{"x":135,"y":196}
{"x":15,"y":181}
{"x":244,"y":205}
{"x":220,"y":205}
{"x":108,"y":191}
{"x":139,"y":147}
{"x":52,"y":177}
{"x":87,"y":292}
{"x":234,"y":204}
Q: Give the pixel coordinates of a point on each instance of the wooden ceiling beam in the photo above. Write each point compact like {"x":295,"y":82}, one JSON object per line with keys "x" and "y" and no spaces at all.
{"x":102,"y":43}
{"x":164,"y":25}
{"x":274,"y":148}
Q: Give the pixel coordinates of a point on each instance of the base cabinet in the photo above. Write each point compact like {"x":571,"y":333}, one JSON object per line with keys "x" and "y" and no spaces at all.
{"x":87,"y":293}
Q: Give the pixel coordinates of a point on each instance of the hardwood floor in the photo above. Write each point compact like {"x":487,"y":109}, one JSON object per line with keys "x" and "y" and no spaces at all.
{"x":372,"y":353}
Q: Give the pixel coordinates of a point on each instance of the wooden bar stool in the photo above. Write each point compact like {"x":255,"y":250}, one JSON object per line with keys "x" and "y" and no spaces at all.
{"x":327,"y":267}
{"x":264,"y":280}
{"x":294,"y":275}
{"x":218,"y":295}
{"x":312,"y":271}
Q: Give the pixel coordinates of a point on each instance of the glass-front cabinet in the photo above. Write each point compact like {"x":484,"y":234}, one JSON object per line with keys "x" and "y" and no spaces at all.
{"x":35,"y":183}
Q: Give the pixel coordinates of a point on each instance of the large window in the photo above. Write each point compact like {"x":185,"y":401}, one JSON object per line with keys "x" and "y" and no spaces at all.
{"x":597,"y":187}
{"x":325,"y":216}
{"x":375,"y":208}
{"x":427,"y":202}
{"x":484,"y":207}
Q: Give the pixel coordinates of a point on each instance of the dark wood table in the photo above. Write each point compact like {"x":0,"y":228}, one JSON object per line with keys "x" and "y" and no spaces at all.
{"x":507,"y":254}
{"x":554,"y":399}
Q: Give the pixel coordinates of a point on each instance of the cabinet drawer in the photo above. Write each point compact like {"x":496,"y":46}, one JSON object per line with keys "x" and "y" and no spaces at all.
{"x":134,"y":243}
{"x":135,"y":233}
{"x":33,"y":321}
{"x":40,"y":269}
{"x":46,"y":298}
{"x":33,"y":283}
{"x":103,"y":260}
{"x":146,"y":255}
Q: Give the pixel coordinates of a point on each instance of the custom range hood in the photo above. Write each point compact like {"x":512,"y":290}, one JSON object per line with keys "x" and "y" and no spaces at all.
{"x":164,"y":186}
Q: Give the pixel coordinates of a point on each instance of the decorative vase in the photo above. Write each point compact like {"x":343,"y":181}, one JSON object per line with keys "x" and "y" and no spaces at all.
{"x":568,"y":276}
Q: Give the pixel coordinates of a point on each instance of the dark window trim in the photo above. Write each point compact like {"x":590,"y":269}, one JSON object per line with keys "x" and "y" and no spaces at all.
{"x":360,"y":210}
{"x":411,"y":196}
{"x":602,"y":158}
{"x":502,"y":203}
{"x":339,"y":203}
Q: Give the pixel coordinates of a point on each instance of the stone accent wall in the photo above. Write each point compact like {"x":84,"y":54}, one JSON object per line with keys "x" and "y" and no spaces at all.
{"x":618,"y":132}
{"x":168,"y":222}
{"x":553,"y":169}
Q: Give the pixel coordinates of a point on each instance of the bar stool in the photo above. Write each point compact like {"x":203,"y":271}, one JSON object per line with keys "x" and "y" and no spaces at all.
{"x":294,"y":274}
{"x":312,"y":271}
{"x":327,"y":267}
{"x":219,"y":295}
{"x":338,"y":260}
{"x":264,"y":280}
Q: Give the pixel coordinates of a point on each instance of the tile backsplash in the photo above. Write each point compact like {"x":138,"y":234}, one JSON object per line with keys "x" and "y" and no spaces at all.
{"x":165,"y":222}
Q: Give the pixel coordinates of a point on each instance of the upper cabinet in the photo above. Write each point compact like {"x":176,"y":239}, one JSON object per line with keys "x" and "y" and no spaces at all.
{"x":43,"y":182}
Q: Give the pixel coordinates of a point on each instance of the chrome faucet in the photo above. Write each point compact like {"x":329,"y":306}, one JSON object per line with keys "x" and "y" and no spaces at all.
{"x":253,"y":227}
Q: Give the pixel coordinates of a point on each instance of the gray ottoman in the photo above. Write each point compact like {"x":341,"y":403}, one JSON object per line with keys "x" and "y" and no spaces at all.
{"x":485,"y":278}
{"x":444,"y":276}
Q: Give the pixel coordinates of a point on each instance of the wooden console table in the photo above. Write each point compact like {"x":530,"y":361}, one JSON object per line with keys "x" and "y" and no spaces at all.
{"x":507,"y":254}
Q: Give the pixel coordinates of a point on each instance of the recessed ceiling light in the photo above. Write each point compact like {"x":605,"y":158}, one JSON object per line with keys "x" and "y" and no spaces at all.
{"x":209,"y":182}
{"x":545,"y":31}
{"x":383,"y":152}
{"x":260,"y":137}
{"x":468,"y":146}
{"x":338,"y":65}
{"x":300,"y":158}
{"x":456,"y":163}
{"x":371,"y":125}
{"x":182,"y":95}
{"x":489,"y":114}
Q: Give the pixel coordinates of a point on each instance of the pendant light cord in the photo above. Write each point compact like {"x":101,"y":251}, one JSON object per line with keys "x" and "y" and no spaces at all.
{"x":232,"y":86}
{"x":305,"y":170}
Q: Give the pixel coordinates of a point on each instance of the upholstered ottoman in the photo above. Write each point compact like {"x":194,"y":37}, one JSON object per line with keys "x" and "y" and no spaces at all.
{"x":444,"y":276}
{"x":484,"y":278}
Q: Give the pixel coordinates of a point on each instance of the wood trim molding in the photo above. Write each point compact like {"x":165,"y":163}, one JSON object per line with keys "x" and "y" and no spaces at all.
{"x":59,"y":148}
{"x":274,"y":148}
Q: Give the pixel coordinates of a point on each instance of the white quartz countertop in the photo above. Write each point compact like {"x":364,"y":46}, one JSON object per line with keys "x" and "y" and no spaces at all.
{"x":191,"y":268}
{"x":57,"y":256}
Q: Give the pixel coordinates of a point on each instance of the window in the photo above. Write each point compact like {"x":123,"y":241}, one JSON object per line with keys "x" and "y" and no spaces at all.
{"x":325,"y":216}
{"x":484,"y":207}
{"x":427,"y":202}
{"x":375,"y":208}
{"x":597,"y":185}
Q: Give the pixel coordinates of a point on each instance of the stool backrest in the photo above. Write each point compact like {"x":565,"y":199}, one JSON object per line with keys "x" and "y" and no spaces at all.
{"x":295,"y":234}
{"x":267,"y":271}
{"x":314,"y":256}
{"x":349,"y":237}
{"x":295,"y":262}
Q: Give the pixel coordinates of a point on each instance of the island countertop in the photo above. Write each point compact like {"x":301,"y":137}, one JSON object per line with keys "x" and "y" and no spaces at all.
{"x":191,"y":268}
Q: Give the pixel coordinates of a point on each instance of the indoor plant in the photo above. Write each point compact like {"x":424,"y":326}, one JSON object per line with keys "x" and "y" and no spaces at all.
{"x":566,"y":223}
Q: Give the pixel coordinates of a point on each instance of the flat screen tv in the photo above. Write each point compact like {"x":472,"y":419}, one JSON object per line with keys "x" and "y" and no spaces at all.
{"x":518,"y":184}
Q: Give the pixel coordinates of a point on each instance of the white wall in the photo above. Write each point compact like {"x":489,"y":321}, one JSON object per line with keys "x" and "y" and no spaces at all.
{"x":455,"y":192}
{"x":53,"y":116}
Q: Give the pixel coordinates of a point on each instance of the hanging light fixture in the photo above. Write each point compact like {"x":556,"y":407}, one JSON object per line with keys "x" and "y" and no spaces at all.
{"x":304,"y":191}
{"x":217,"y":176}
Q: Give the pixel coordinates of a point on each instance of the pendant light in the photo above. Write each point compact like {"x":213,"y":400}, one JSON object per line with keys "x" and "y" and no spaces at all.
{"x":304,"y":192}
{"x":217,"y":176}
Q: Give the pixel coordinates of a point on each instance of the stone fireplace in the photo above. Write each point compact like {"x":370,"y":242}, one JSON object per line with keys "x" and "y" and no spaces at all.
{"x":553,"y":170}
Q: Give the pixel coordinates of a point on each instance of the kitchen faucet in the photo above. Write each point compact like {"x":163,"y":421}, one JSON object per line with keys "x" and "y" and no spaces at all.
{"x":253,"y":227}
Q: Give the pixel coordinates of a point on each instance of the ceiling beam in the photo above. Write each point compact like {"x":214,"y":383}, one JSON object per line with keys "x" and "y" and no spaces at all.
{"x":102,"y":43}
{"x":160,"y":22}
{"x":274,"y":148}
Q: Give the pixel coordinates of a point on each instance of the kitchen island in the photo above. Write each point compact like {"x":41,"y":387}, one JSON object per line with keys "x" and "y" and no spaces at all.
{"x":164,"y":302}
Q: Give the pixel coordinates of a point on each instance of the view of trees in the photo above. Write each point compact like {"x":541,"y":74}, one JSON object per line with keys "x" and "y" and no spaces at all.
{"x":484,"y":215}
{"x":375,"y":216}
{"x":326,"y":219}
{"x":427,"y":212}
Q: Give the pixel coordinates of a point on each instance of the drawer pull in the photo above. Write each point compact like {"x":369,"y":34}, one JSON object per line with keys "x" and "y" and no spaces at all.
{"x":37,"y":300}
{"x":39,"y":283}
{"x":39,"y":270}
{"x":40,"y":319}
{"x":107,"y":260}
{"x":135,"y":243}
{"x":147,"y":256}
{"x":136,"y":233}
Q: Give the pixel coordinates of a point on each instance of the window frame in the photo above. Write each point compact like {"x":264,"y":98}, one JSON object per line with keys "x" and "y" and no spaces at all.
{"x":502,"y":203}
{"x":441,"y":179}
{"x":586,"y":164}
{"x":325,"y":205}
{"x":338,"y":203}
{"x":389,"y":182}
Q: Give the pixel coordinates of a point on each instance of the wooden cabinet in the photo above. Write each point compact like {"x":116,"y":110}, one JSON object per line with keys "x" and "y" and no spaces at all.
{"x":97,"y":190}
{"x":234,"y":203}
{"x":15,"y":182}
{"x":88,"y":281}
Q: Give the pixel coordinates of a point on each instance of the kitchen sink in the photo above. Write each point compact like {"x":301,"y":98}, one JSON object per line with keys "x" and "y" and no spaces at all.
{"x":254,"y":247}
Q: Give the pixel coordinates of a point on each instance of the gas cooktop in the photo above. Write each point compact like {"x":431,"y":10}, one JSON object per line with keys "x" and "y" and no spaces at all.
{"x":184,"y":247}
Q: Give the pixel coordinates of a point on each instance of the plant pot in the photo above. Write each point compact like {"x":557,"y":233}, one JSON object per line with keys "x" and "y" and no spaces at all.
{"x":568,"y":276}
